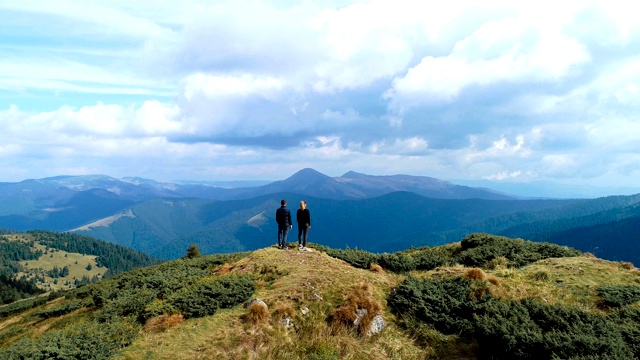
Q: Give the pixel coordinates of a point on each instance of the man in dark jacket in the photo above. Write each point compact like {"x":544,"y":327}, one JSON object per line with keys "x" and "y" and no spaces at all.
{"x":283,"y":218}
{"x":303,"y":218}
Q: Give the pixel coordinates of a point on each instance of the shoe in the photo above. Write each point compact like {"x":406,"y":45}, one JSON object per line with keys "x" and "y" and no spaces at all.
{"x":304,"y":248}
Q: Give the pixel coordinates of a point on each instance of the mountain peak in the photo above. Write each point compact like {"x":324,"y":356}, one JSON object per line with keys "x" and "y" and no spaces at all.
{"x":308,"y":174}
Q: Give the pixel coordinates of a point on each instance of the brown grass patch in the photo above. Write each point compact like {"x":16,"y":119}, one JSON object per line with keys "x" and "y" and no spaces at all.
{"x":223,"y":269}
{"x":257,"y":314}
{"x":627,"y":265}
{"x":493,"y":280}
{"x":475,"y":274}
{"x":162,"y":323}
{"x":283,"y":311}
{"x":359,"y":298}
{"x":589,"y":255}
{"x":376,"y":268}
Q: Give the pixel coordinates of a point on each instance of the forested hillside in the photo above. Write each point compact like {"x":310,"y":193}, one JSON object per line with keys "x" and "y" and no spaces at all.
{"x":38,"y":261}
{"x":485,"y":297}
{"x":165,"y":227}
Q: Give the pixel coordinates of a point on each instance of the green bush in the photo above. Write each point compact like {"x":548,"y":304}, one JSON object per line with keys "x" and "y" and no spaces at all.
{"x":618,"y":295}
{"x":507,"y":329}
{"x":20,"y":306}
{"x":207,"y":296}
{"x":59,"y":310}
{"x":87,"y":341}
{"x":478,"y":250}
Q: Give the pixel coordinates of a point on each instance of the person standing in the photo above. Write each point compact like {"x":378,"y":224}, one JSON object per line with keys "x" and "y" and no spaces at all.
{"x":303,"y":217}
{"x":283,"y":218}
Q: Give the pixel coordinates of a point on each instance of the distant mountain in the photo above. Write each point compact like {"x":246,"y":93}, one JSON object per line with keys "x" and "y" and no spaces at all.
{"x":67,"y":202}
{"x":377,"y":213}
{"x":426,"y":186}
{"x":166,"y":227}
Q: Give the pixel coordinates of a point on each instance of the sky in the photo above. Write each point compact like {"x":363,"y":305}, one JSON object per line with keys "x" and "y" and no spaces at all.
{"x":509,"y":92}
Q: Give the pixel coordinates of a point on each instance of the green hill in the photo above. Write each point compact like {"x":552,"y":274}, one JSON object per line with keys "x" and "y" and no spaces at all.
{"x":486,"y":297}
{"x":39,"y":261}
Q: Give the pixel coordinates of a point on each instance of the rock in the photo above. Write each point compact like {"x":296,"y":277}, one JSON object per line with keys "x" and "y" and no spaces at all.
{"x":256,"y":301}
{"x":316,"y":296}
{"x":377,"y":325}
{"x":304,"y":310}
{"x":287,"y":322}
{"x":360,"y":313}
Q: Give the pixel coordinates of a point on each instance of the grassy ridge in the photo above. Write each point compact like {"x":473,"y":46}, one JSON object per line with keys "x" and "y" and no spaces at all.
{"x":454,"y":301}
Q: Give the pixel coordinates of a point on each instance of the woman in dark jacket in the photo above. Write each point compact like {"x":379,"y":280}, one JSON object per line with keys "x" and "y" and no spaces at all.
{"x":304,"y":224}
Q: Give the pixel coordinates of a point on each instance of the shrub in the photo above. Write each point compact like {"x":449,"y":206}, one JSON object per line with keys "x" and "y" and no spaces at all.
{"x":398,"y":263}
{"x":205,"y":297}
{"x":618,"y":295}
{"x":91,"y":340}
{"x":540,"y":276}
{"x":480,"y":250}
{"x":508,"y":329}
{"x":59,"y":310}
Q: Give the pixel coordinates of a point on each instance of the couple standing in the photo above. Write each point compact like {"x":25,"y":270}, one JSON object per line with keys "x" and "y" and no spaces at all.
{"x":283,"y":218}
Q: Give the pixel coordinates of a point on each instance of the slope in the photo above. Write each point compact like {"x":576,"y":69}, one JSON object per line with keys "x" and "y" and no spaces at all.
{"x":193,"y":308}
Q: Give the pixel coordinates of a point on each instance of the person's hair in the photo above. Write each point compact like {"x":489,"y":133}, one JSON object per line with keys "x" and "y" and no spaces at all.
{"x":302,"y":202}
{"x":283,"y":202}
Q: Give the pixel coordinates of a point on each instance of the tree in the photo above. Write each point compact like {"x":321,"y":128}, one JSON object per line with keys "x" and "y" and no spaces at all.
{"x":193,"y":252}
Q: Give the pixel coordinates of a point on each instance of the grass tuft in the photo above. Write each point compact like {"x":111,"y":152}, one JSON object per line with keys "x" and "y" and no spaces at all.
{"x":376,"y":268}
{"x":162,"y":323}
{"x":223,"y":269}
{"x":257,"y":314}
{"x":475,"y":274}
{"x":360,"y":298}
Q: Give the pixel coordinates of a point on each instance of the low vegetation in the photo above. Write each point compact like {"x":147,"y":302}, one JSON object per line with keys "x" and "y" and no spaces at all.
{"x":487,"y":297}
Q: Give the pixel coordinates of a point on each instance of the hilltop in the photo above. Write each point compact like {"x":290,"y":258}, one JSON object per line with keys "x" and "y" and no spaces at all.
{"x":484,"y":297}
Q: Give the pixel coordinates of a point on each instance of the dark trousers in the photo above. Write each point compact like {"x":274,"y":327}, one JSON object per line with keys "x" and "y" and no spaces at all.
{"x":282,"y":236}
{"x":303,"y":232}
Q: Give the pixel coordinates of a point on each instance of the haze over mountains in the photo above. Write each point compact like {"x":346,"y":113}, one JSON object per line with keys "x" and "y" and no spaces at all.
{"x":376,"y":213}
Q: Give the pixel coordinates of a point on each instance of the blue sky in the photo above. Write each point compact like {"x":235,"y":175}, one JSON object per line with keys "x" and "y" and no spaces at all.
{"x":240,"y":90}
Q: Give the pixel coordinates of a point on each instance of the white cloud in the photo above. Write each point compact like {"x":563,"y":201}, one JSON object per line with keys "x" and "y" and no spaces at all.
{"x":410,"y":146}
{"x":508,"y":50}
{"x":213,"y":86}
{"x":499,"y":89}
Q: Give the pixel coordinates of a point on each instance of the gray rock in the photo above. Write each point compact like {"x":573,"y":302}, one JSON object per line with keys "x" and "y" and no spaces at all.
{"x":377,"y":325}
{"x":287,"y":322}
{"x":256,"y":301}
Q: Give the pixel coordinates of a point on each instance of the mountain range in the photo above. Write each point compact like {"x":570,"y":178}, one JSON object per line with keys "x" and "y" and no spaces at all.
{"x":375,"y":213}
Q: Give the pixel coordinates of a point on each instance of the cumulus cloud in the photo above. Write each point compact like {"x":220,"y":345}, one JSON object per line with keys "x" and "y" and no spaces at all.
{"x":244,"y":89}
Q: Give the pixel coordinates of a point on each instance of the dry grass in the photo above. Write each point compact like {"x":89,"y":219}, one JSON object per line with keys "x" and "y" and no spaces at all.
{"x":376,"y":268}
{"x":222,"y":269}
{"x":358,"y":299}
{"x":627,"y":265}
{"x":283,"y":311}
{"x":257,"y":314}
{"x":475,"y":274}
{"x":162,"y":323}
